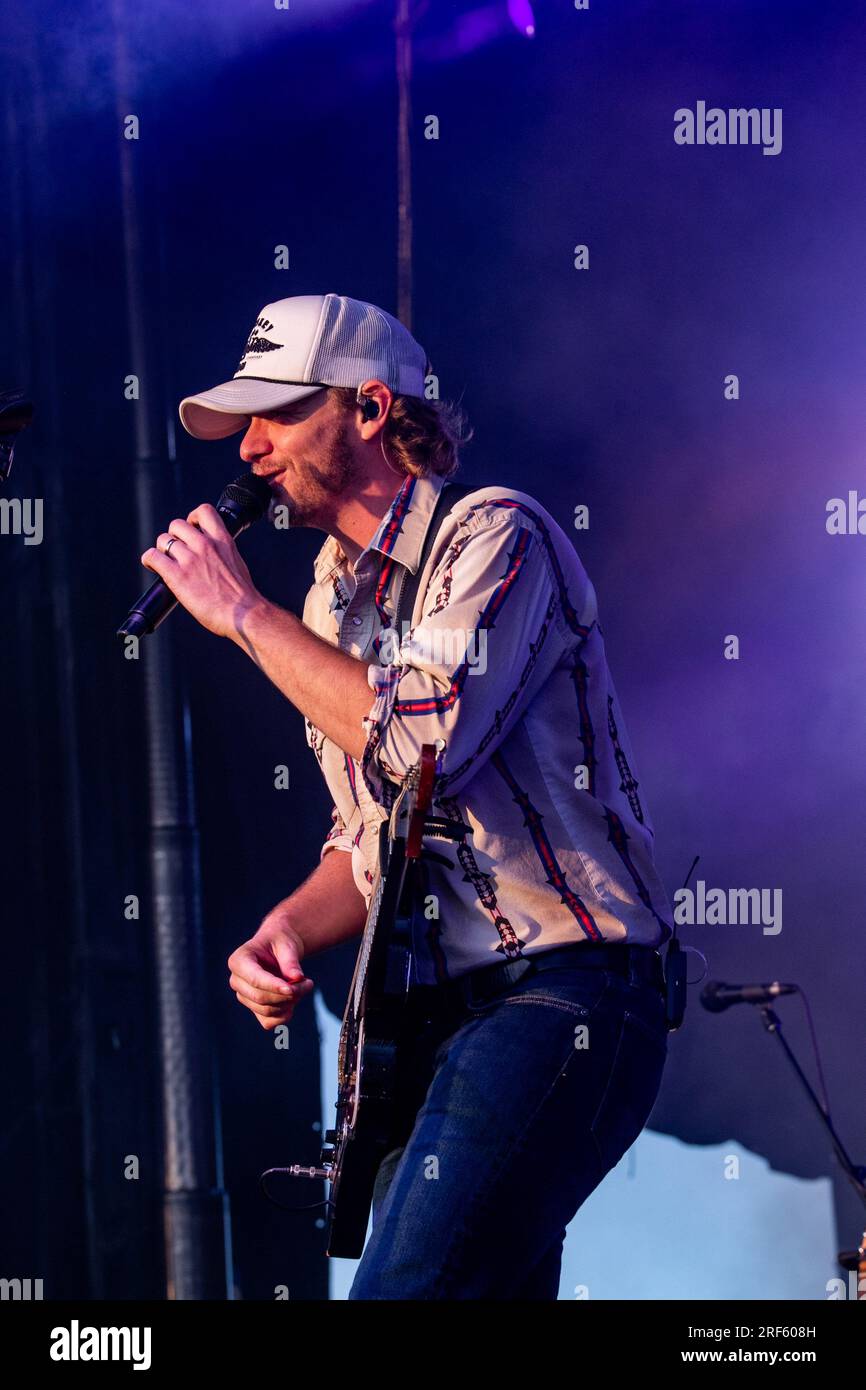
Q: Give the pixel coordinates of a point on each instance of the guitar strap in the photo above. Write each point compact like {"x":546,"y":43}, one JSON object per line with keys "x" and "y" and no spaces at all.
{"x":448,"y":495}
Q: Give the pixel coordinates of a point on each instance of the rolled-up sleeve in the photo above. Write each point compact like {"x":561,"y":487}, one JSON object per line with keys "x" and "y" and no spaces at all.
{"x":488,"y":638}
{"x":338,"y":837}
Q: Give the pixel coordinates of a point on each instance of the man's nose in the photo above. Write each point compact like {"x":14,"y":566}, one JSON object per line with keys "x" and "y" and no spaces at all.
{"x":255,"y":443}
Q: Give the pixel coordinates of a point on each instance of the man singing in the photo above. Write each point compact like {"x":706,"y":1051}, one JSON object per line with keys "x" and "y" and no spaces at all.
{"x":540,"y":1035}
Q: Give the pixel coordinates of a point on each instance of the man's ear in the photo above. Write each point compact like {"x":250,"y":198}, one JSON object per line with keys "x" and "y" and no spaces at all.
{"x":377,"y":395}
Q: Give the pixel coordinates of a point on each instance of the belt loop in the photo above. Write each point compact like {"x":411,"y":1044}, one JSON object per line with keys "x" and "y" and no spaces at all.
{"x":634,"y":975}
{"x":515,"y":970}
{"x":498,"y":977}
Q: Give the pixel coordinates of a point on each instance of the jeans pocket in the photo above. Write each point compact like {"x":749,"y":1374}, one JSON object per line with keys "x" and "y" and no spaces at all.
{"x":632,"y":1087}
{"x":573,"y":991}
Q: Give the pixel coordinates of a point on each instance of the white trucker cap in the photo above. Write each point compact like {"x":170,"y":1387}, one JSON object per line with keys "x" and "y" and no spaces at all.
{"x":299,"y":345}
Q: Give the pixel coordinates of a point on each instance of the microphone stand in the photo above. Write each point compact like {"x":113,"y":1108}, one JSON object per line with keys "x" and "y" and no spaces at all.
{"x":855,"y":1173}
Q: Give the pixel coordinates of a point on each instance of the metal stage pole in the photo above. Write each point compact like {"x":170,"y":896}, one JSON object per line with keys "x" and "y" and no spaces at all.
{"x":195,"y":1206}
{"x":403,"y":29}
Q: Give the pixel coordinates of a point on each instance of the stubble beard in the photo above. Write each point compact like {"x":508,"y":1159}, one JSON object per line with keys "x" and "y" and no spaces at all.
{"x":330,"y":477}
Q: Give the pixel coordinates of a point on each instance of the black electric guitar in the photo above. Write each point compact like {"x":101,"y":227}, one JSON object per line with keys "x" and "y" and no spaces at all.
{"x":374,"y":1017}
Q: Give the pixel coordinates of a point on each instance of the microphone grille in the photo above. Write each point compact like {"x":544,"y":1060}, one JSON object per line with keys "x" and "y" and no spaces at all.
{"x":248,"y":492}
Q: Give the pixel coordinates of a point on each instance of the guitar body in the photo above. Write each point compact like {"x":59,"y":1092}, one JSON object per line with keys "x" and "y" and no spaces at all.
{"x":374,"y":1020}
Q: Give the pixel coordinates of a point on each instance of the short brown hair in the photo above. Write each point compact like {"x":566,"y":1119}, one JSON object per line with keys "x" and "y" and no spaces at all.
{"x":420,"y":436}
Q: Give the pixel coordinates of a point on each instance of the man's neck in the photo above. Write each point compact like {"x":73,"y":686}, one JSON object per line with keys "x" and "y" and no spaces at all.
{"x":358,"y":521}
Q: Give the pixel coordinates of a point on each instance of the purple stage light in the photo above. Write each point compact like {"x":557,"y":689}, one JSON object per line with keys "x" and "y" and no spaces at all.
{"x":521,"y":16}
{"x":474,"y":29}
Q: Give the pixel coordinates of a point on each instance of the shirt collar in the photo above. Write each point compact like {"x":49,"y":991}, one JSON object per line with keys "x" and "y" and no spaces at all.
{"x":400,"y":533}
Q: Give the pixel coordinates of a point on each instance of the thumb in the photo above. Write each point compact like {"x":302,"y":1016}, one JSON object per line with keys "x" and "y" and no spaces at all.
{"x":286,"y":955}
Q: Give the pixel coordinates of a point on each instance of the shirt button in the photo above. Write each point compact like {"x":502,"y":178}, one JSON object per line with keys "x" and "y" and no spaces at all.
{"x":357,"y":621}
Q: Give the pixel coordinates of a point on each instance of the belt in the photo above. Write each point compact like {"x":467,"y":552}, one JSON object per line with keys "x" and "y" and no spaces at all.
{"x":477,"y":986}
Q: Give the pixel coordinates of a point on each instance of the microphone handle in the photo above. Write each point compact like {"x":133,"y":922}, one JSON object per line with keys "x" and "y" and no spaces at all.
{"x":158,"y":601}
{"x":151,"y":609}
{"x":717,"y":996}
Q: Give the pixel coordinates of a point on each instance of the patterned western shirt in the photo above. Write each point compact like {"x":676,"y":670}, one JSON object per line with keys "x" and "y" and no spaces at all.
{"x":504,"y":665}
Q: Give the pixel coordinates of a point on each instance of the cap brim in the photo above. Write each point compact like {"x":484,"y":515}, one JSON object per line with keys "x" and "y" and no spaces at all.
{"x":227,"y":408}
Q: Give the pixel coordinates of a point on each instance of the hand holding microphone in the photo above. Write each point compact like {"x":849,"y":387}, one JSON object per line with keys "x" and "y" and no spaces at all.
{"x":199,"y":565}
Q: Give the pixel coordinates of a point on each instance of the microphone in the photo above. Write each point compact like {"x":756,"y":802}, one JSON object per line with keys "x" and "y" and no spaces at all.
{"x":241,"y":503}
{"x":717,"y":996}
{"x":16,"y":412}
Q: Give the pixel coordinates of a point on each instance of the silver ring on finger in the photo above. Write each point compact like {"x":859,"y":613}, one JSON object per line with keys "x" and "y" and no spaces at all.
{"x":170,"y":544}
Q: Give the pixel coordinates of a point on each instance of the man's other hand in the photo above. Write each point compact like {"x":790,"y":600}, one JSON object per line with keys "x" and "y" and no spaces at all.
{"x":266,"y":973}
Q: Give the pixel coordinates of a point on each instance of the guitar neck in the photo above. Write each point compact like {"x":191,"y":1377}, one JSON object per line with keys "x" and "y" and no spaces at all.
{"x":362,"y":964}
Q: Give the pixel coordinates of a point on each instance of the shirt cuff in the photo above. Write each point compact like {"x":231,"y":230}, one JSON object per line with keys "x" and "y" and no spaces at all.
{"x":339,"y":840}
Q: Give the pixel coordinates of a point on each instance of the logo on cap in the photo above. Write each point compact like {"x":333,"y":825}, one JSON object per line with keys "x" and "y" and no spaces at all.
{"x":257,"y":344}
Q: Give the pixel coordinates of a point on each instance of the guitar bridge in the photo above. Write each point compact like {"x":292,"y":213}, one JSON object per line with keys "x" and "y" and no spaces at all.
{"x":442,"y":828}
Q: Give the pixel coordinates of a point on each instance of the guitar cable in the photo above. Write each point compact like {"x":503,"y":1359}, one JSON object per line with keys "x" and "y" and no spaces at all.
{"x":283,"y":1206}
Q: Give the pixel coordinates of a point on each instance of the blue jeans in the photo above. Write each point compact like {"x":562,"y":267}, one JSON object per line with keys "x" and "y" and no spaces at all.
{"x":513,"y":1111}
